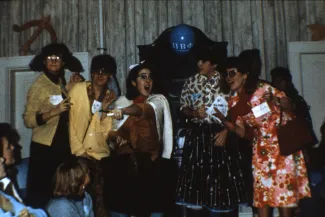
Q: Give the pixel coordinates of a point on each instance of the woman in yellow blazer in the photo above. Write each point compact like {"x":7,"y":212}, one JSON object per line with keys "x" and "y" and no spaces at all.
{"x":46,"y":113}
{"x":88,"y":126}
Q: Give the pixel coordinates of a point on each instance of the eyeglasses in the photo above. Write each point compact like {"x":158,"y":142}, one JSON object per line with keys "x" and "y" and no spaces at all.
{"x":231,"y":73}
{"x":54,"y":58}
{"x":101,"y":72}
{"x":145,"y":77}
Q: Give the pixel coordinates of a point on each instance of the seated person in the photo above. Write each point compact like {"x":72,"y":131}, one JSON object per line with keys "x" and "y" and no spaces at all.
{"x":70,"y":198}
{"x":10,"y":203}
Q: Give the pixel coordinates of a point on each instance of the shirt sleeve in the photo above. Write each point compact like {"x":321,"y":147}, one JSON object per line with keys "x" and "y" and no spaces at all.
{"x":35,"y":97}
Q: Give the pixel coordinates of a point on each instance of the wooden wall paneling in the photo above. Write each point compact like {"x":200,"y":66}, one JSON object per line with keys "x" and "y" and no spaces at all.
{"x":4,"y":28}
{"x":83,"y":25}
{"x":302,"y":13}
{"x":227,"y":23}
{"x":32,"y":12}
{"x":118,"y":39}
{"x":213,"y":19}
{"x":310,"y":16}
{"x":162,"y":16}
{"x":292,"y":22}
{"x":320,"y":12}
{"x":280,"y":34}
{"x":193,"y":13}
{"x":54,"y":9}
{"x":131,"y":51}
{"x":269,"y":36}
{"x":15,"y":11}
{"x":150,"y":21}
{"x":138,"y":23}
{"x":242,"y":31}
{"x":93,"y":27}
{"x":258,"y":31}
{"x":175,"y":12}
{"x":69,"y":24}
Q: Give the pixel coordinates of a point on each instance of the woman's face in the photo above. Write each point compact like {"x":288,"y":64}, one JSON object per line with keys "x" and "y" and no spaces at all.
{"x":205,"y":67}
{"x":100,"y":78}
{"x":7,"y":151}
{"x":235,"y":79}
{"x":54,"y":64}
{"x":143,"y":82}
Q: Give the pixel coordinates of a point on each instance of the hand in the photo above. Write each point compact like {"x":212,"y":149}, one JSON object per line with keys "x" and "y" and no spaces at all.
{"x":118,"y":114}
{"x":108,"y":99}
{"x":219,"y":115}
{"x":200,"y":112}
{"x":61,"y":107}
{"x":221,"y":138}
{"x":120,"y":141}
{"x":74,"y":78}
{"x":24,"y":213}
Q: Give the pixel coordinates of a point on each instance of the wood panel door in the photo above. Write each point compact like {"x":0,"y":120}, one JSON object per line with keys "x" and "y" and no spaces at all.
{"x":307,"y":66}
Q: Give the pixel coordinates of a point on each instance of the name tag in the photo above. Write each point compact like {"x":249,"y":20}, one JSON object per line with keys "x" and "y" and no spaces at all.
{"x":96,"y":106}
{"x":56,"y":99}
{"x":261,"y":109}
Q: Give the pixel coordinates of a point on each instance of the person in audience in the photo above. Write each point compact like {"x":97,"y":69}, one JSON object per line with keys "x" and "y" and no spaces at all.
{"x":279,"y":181}
{"x":88,"y":126}
{"x":69,"y":196}
{"x":11,"y":203}
{"x":314,"y":155}
{"x":46,"y":113}
{"x":139,"y":176}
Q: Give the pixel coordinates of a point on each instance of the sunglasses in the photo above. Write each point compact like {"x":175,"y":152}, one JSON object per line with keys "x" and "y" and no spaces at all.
{"x":231,"y":73}
{"x":54,"y":58}
{"x":145,"y":77}
{"x":101,"y":72}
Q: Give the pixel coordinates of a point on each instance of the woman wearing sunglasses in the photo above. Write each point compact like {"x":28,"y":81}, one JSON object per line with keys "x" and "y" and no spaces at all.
{"x":88,"y":127}
{"x":135,"y":182}
{"x":210,"y":177}
{"x":279,"y":181}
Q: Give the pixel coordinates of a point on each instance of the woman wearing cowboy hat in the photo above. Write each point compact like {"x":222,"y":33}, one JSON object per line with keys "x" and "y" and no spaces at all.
{"x":46,"y":113}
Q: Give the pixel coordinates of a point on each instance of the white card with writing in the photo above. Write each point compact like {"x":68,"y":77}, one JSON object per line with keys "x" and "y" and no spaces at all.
{"x":261,"y":109}
{"x":221,"y":104}
{"x":55,"y":99}
{"x":96,"y":106}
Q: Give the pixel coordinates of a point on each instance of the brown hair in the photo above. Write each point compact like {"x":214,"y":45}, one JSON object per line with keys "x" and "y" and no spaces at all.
{"x":70,"y":176}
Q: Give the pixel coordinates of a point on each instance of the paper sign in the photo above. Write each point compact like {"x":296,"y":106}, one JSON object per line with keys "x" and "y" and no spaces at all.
{"x":221,"y":104}
{"x":96,"y":106}
{"x":261,"y":109}
{"x":56,"y":99}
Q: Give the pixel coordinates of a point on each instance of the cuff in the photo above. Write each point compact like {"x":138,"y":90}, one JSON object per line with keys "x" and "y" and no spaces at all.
{"x":39,"y":120}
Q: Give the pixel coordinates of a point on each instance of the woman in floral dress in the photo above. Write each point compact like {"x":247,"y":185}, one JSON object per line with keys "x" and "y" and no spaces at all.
{"x":279,"y":181}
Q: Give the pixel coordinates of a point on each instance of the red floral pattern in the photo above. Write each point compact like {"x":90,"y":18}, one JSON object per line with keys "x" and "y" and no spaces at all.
{"x":278,"y":180}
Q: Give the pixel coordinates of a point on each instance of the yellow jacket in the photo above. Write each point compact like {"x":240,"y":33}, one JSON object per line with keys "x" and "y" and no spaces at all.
{"x":38,"y":102}
{"x":84,"y":139}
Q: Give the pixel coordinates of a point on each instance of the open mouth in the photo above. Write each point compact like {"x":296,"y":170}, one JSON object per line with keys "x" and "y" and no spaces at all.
{"x":147,"y":87}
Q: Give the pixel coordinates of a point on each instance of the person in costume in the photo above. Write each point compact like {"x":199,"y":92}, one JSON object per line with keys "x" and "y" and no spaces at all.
{"x":137,"y":177}
{"x":46,"y":113}
{"x":88,"y":126}
{"x":279,"y":181}
{"x":210,"y":176}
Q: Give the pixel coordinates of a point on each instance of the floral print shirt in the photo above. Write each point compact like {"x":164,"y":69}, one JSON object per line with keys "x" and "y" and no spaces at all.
{"x":198,"y":91}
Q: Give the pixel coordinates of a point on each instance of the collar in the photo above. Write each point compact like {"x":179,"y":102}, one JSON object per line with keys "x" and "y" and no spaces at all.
{"x":5,"y":181}
{"x":54,"y":78}
{"x":202,"y":78}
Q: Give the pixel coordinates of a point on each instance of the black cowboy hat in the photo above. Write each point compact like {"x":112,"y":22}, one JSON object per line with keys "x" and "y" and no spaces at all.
{"x":70,"y":62}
